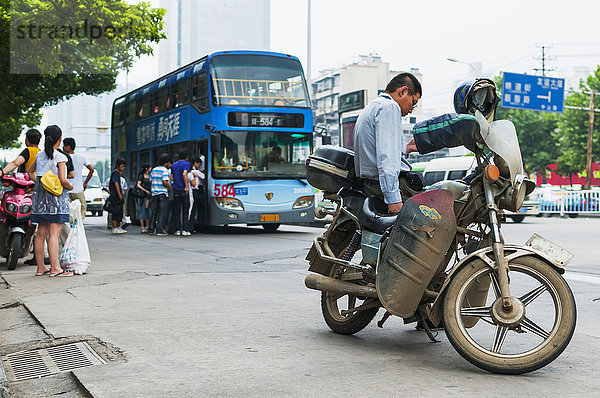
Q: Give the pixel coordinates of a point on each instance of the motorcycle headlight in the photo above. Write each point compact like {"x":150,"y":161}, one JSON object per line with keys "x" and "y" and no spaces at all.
{"x":11,"y":207}
{"x":229,"y":203}
{"x":512,"y":199}
{"x":25,"y":209}
{"x":305,"y":201}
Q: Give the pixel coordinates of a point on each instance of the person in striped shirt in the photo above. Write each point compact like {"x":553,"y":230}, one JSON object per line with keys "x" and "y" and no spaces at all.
{"x":161,"y":186}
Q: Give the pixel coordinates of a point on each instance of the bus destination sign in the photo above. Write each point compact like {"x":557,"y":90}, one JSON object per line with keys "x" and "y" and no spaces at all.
{"x":248,"y":119}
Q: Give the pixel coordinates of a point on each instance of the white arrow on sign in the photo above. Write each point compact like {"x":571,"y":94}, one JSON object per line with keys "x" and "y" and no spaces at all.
{"x":545,"y":96}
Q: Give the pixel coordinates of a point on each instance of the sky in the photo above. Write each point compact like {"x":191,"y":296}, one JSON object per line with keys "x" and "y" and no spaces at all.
{"x":503,"y":35}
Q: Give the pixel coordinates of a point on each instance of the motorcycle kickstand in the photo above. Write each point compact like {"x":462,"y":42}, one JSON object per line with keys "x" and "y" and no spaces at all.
{"x":423,"y":321}
{"x":385,"y":318}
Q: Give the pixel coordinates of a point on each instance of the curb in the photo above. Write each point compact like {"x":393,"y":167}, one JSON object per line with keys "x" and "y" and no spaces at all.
{"x":4,"y":389}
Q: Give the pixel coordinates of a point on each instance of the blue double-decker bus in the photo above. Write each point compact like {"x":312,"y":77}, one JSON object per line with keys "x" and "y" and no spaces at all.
{"x":248,"y":113}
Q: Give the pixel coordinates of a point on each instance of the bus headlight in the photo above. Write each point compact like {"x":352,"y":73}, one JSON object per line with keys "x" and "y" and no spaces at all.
{"x":229,"y":203}
{"x":305,"y":201}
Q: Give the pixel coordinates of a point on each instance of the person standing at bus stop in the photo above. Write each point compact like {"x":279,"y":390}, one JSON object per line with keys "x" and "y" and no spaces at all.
{"x":117,"y":197}
{"x":79,"y":162}
{"x":181,"y":190}
{"x":160,"y":190}
{"x":379,"y":143}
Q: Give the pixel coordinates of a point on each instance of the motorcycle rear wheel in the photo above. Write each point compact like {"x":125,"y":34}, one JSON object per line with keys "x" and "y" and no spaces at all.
{"x":528,"y":344}
{"x":15,"y":251}
{"x":332,"y":305}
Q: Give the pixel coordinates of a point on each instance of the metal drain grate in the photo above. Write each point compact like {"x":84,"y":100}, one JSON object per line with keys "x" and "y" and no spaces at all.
{"x":48,"y":361}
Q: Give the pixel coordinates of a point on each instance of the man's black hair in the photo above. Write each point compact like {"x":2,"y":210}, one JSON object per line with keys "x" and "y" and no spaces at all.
{"x":120,"y":162}
{"x":70,"y":142}
{"x":33,"y":136}
{"x":183,"y":154}
{"x":164,"y":159}
{"x":405,"y":79}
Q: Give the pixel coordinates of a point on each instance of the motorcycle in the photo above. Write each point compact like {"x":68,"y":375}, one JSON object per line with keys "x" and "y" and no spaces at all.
{"x":16,"y":231}
{"x":442,"y":261}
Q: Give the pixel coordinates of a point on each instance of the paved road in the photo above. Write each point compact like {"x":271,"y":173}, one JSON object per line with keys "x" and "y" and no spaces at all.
{"x":226,"y":313}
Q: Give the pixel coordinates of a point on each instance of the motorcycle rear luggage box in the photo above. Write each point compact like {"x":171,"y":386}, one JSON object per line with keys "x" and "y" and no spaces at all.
{"x":330,"y":168}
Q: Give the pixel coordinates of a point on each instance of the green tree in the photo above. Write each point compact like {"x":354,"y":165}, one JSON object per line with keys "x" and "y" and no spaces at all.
{"x":65,"y":62}
{"x":573,"y":129}
{"x":537,"y":135}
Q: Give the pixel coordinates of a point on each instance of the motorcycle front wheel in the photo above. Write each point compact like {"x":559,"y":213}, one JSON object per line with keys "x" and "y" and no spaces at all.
{"x":535,"y":334}
{"x":332,"y":305}
{"x":15,"y":251}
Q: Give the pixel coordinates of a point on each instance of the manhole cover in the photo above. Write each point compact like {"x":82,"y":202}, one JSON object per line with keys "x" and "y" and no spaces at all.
{"x":48,"y":361}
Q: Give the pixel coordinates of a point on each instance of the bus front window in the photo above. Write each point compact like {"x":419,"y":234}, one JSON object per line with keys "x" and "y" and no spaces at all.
{"x":257,"y":154}
{"x":258,"y":80}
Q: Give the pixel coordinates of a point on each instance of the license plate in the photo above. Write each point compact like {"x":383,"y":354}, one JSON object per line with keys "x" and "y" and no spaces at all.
{"x":269,"y":217}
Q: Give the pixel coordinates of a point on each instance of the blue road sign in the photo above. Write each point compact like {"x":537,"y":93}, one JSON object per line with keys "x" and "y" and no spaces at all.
{"x":536,"y":93}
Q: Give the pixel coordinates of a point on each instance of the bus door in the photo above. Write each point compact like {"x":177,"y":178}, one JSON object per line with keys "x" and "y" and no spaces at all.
{"x":202,"y":153}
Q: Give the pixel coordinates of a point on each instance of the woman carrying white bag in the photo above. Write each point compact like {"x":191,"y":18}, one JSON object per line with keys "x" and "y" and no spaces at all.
{"x":75,"y":255}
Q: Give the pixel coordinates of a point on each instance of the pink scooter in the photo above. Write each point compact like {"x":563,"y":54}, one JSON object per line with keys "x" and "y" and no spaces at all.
{"x":16,"y":230}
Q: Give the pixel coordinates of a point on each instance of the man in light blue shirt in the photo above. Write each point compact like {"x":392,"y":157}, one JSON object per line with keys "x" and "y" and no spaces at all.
{"x":380,"y":148}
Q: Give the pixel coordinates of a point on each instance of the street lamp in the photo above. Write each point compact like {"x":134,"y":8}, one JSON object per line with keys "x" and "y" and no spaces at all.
{"x":476,"y":71}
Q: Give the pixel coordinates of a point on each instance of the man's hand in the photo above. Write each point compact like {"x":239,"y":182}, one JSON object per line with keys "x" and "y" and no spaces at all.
{"x":84,"y":186}
{"x":394,"y":208}
{"x":411,"y":146}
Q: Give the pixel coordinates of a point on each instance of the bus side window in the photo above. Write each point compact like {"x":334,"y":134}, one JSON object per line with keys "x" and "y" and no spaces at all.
{"x":174,"y":96}
{"x":143,"y":107}
{"x":200,"y":92}
{"x":131,"y":111}
{"x":116,"y":116}
{"x":184,"y":93}
{"x":163,"y":99}
{"x":155,"y":103}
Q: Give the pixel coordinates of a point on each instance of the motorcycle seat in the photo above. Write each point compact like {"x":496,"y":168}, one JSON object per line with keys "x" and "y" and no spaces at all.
{"x":373,"y":215}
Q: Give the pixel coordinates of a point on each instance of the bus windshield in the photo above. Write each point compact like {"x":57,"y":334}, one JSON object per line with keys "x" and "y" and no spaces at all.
{"x":256,"y":154}
{"x":258,"y":80}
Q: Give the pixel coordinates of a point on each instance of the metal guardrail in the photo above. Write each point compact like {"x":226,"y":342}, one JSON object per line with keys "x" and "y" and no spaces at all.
{"x":570,"y":202}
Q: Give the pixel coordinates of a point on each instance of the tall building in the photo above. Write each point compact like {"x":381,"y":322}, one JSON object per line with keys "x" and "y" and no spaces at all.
{"x":87,"y":119}
{"x":197,"y":27}
{"x":368,"y":73}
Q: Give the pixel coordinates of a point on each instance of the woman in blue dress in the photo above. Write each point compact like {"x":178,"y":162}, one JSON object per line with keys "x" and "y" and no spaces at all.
{"x":49,"y":211}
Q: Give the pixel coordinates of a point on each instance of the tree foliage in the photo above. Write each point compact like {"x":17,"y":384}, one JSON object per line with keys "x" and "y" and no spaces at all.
{"x":573,"y":128}
{"x":66,"y":62}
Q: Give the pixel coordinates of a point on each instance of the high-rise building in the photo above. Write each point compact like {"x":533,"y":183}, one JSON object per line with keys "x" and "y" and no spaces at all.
{"x":197,"y":27}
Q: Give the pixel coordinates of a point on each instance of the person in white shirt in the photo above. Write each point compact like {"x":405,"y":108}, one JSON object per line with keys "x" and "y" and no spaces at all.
{"x":79,"y":162}
{"x":197,"y":182}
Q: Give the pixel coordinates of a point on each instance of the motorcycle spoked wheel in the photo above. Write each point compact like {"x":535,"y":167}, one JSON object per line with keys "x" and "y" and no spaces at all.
{"x":538,"y":338}
{"x":332,"y":305}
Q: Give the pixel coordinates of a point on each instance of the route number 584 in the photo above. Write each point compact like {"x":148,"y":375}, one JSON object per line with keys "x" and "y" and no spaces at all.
{"x":224,"y":190}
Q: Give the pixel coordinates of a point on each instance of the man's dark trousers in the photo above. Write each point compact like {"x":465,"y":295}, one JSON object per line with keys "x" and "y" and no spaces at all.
{"x":159,"y":211}
{"x":181,"y":209}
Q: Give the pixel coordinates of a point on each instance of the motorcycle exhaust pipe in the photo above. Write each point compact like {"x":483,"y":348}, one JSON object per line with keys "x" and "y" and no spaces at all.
{"x":327,"y":284}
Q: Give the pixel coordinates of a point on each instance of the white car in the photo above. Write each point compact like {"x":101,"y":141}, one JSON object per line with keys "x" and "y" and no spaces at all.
{"x":94,"y":194}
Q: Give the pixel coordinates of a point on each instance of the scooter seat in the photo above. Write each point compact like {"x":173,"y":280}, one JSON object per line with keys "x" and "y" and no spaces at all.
{"x":373,"y":215}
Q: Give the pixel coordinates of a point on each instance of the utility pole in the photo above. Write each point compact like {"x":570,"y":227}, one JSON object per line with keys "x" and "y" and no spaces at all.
{"x":588,"y":178}
{"x":543,"y":59}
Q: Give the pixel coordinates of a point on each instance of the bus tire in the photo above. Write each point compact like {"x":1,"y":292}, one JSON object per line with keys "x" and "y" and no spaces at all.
{"x":517,"y":219}
{"x":271,"y":227}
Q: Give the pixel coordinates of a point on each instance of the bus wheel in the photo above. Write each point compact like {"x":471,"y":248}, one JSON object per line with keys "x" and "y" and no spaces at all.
{"x":271,"y":227}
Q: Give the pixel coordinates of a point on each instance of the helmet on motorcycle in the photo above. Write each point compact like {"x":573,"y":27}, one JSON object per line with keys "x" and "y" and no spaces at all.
{"x":477,"y":94}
